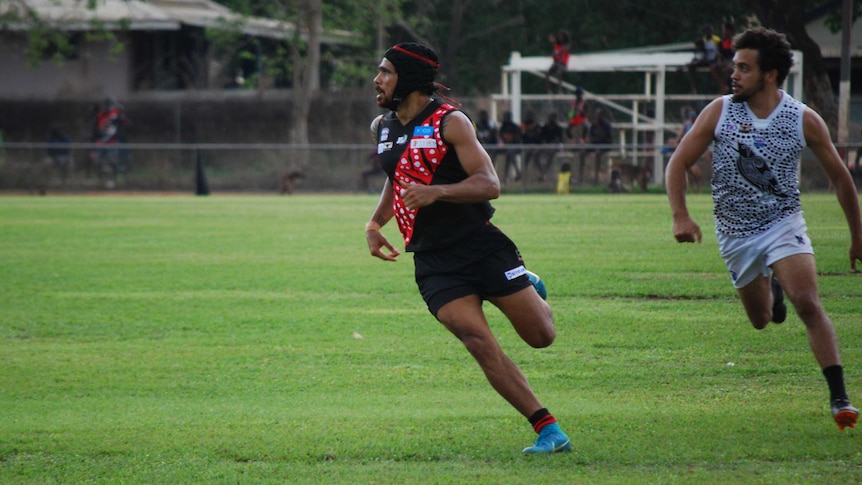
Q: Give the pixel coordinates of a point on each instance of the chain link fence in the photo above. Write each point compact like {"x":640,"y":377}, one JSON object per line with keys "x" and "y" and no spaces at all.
{"x":179,"y":167}
{"x":315,"y":168}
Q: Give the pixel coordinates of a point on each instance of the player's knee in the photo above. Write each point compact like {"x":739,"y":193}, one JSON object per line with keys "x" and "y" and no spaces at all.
{"x":543,"y":336}
{"x":760,"y":320}
{"x":543,"y":340}
{"x":479,"y":345}
{"x":809,"y":310}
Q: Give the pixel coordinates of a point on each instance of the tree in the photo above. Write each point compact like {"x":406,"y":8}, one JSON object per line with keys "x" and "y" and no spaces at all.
{"x":48,"y":41}
{"x":304,"y":51}
{"x":306,"y":72}
{"x":471,"y":36}
{"x":789,"y":18}
{"x":302,"y":60}
{"x":476,"y":37}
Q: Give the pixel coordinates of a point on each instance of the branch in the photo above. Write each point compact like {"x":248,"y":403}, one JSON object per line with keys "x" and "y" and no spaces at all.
{"x":400,"y":22}
{"x":512,"y":22}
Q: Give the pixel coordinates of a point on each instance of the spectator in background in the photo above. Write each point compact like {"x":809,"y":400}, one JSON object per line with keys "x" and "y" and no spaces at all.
{"x":124,"y":161}
{"x":694,"y":172}
{"x":531,"y":134}
{"x":560,"y":60}
{"x":551,"y":133}
{"x":688,"y":117}
{"x":110,"y":120}
{"x":706,"y":55}
{"x":725,"y":47}
{"x":510,"y":134}
{"x":59,"y":153}
{"x":564,"y":178}
{"x":600,"y":133}
{"x":576,"y":130}
{"x":721,"y":70}
{"x":486,"y":131}
{"x":856,"y":170}
{"x":373,"y":169}
{"x":92,"y":156}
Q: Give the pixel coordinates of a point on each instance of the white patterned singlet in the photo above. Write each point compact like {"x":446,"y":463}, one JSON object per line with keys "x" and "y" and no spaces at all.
{"x":756,"y":161}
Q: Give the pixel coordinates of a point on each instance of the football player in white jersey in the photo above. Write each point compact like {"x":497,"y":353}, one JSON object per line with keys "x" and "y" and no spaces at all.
{"x":759,"y":133}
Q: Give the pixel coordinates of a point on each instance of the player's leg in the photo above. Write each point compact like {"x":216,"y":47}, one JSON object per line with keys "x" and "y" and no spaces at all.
{"x":598,"y":166}
{"x":530,"y":315}
{"x":798,"y":276}
{"x":583,"y":161}
{"x":757,"y":299}
{"x":746,"y":262}
{"x":465,"y":319}
{"x":532,"y":318}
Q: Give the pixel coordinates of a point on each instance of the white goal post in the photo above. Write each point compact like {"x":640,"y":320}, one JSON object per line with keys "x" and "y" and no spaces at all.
{"x":653,"y":62}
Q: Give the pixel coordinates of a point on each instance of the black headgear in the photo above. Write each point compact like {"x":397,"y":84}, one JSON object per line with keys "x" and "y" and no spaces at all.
{"x":416,"y":66}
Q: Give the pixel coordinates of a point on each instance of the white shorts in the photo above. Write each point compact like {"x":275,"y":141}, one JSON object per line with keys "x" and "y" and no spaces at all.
{"x":750,"y":257}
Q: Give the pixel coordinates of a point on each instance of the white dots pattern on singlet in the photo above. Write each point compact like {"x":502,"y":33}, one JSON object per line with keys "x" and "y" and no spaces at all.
{"x":419,"y":168}
{"x":755,"y":163}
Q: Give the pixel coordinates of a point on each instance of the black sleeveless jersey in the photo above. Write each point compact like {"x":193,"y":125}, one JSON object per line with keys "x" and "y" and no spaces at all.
{"x":417,"y":153}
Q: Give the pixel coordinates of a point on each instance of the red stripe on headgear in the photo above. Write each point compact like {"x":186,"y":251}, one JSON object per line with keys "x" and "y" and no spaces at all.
{"x":417,"y":56}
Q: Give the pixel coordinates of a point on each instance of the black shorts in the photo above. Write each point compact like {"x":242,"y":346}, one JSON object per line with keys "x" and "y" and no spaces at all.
{"x":557,"y":69}
{"x":487,"y":263}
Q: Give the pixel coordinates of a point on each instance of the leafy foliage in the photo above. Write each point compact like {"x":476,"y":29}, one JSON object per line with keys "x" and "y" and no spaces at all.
{"x":50,"y":42}
{"x":473,"y":37}
{"x":479,"y":48}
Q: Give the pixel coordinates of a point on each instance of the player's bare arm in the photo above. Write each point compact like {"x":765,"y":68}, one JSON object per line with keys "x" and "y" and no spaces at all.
{"x":481,"y":183}
{"x":690,"y":149}
{"x":382,"y":214}
{"x":818,"y":139}
{"x":374,"y":124}
{"x":384,"y":210}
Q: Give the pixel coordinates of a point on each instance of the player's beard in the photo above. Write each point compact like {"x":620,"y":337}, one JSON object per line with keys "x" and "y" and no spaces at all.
{"x":392,"y":104}
{"x":744,"y":95}
{"x":386,"y":102}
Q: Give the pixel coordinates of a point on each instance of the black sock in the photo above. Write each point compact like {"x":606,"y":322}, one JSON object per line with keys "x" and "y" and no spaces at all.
{"x":835,"y":379}
{"x":541,"y":418}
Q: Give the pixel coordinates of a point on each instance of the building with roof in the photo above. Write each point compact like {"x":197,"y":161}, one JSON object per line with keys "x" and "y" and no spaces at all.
{"x":158,"y":45}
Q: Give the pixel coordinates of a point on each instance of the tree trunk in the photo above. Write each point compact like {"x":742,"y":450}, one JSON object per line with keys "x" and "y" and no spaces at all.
{"x":306,"y":77}
{"x":449,"y":71}
{"x":788,"y":17}
{"x":314,"y":20}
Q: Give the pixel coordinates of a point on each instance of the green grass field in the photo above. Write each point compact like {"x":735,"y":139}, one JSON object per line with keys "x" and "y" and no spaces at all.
{"x":248,"y":339}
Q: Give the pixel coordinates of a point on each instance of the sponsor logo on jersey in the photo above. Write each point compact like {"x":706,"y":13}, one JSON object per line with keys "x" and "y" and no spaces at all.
{"x":514,"y":273}
{"x":401,"y":140}
{"x":384,"y":147}
{"x":423,"y":131}
{"x":384,"y":134}
{"x":423,"y":143}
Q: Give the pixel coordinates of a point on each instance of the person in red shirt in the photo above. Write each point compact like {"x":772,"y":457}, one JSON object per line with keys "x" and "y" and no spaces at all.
{"x":561,"y":60}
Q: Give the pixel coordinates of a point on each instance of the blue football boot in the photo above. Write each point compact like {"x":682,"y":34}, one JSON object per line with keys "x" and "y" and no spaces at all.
{"x":551,"y":440}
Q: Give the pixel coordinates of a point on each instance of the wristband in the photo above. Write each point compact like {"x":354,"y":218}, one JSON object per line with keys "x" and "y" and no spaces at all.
{"x":372,"y":226}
